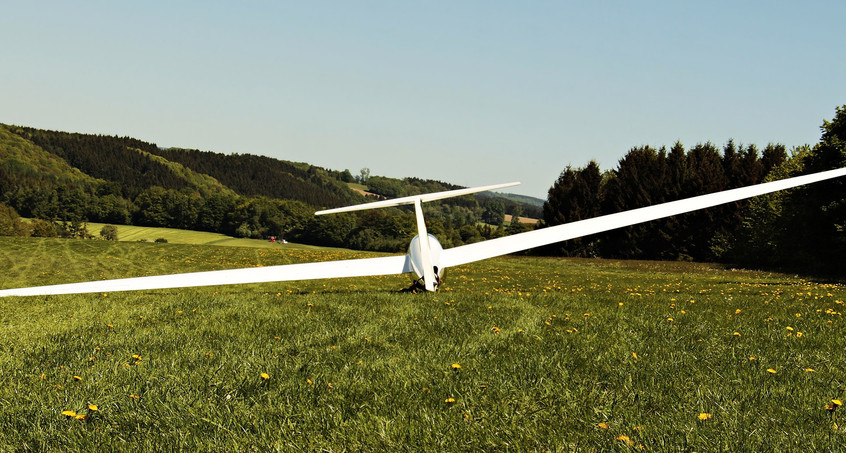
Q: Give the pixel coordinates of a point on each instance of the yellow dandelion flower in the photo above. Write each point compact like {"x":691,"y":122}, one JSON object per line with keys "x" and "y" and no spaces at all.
{"x":81,"y":416}
{"x":799,"y":334}
{"x":455,"y":366}
{"x":670,"y":319}
{"x":810,"y":370}
{"x":93,"y":408}
{"x":737,"y":312}
{"x":136,"y":357}
{"x":496,"y":329}
{"x":752,"y":357}
{"x":309,"y":382}
{"x":634,"y":354}
{"x":265,"y":376}
{"x":449,"y":400}
{"x":602,"y":425}
{"x":622,"y":438}
{"x":736,"y":334}
{"x":77,"y":378}
{"x":837,"y":402}
{"x":69,"y":414}
{"x":771,"y":371}
{"x":790,"y":328}
{"x":133,"y":396}
{"x":704,"y":416}
{"x":426,"y":390}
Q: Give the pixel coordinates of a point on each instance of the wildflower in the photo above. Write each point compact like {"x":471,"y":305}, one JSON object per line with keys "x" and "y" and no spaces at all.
{"x":704,"y":416}
{"x":771,"y":371}
{"x":449,"y":400}
{"x":602,"y":425}
{"x":69,"y":414}
{"x":790,"y":328}
{"x":455,"y":367}
{"x":80,"y":417}
{"x":837,"y":403}
{"x":93,"y":408}
{"x":799,"y":334}
{"x":134,"y":396}
{"x":426,"y":390}
{"x":265,"y":376}
{"x":496,"y":329}
{"x":736,"y":334}
{"x":634,"y":354}
{"x":309,"y":382}
{"x":737,"y":312}
{"x":810,"y":370}
{"x":136,"y":357}
{"x":670,"y":319}
{"x":77,"y":378}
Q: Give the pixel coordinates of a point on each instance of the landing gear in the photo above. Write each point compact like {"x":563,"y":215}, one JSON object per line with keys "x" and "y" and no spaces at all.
{"x":419,"y":285}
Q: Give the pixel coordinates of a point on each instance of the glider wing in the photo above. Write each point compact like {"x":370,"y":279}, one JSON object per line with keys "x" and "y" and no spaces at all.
{"x":306,"y":271}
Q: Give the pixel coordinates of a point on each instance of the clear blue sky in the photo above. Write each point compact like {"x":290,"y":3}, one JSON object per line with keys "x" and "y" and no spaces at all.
{"x":471,"y":93}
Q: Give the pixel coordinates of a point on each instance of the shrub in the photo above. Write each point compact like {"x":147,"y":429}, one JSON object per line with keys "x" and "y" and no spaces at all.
{"x":109,"y":233}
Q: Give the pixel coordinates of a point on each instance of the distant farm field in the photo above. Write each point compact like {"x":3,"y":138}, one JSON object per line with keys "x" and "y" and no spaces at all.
{"x":133,"y":233}
{"x":517,"y":353}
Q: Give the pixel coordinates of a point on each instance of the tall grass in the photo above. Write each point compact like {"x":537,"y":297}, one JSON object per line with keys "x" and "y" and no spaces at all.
{"x":551,"y":354}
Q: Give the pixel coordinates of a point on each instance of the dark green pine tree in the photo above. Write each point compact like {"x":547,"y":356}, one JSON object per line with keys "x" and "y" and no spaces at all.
{"x":704,"y":234}
{"x":576,"y":195}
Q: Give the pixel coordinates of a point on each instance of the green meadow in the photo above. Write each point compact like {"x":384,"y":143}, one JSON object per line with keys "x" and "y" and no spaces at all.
{"x":514,"y":354}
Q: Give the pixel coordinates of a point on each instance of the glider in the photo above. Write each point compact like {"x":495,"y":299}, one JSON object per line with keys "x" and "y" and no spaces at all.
{"x":425,"y":258}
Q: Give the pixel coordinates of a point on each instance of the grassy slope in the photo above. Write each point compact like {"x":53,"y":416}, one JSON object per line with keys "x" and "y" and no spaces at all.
{"x":548,"y":350}
{"x":133,"y":233}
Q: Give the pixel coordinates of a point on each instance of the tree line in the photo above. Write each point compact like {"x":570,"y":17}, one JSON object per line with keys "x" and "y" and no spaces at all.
{"x":796,"y":229}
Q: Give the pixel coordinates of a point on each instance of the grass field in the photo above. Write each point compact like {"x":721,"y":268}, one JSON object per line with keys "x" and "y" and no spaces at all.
{"x":514,"y":354}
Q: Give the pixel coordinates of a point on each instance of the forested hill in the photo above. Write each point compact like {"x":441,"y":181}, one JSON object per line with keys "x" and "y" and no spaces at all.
{"x":63,"y":177}
{"x":137,"y":165}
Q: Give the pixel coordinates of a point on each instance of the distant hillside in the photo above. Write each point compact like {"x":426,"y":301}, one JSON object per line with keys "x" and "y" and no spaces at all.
{"x":70,"y":178}
{"x":252,"y":175}
{"x":24,"y":164}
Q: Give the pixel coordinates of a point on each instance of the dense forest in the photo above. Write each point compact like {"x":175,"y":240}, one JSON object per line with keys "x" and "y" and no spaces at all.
{"x":66,"y":179}
{"x":800,"y":229}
